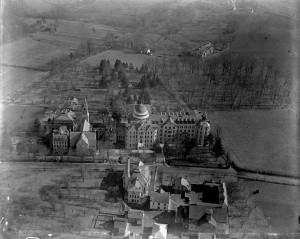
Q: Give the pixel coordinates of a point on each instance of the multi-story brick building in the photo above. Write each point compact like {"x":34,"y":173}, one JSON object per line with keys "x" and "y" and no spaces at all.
{"x":60,"y":141}
{"x":140,"y":132}
{"x":143,"y":129}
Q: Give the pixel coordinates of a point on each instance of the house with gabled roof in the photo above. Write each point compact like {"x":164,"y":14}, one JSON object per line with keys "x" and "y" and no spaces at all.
{"x":64,"y":119}
{"x":181,"y":184}
{"x":159,"y":231}
{"x":136,"y":183}
{"x":208,"y":220}
{"x":83,"y":143}
{"x":159,"y":200}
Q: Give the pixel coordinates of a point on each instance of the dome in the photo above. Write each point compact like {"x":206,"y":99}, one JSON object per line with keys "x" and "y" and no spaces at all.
{"x":140,"y":112}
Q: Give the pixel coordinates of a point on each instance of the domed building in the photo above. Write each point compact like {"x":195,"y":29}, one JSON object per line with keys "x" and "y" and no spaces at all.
{"x":140,"y":112}
{"x":140,"y":132}
{"x":143,"y":128}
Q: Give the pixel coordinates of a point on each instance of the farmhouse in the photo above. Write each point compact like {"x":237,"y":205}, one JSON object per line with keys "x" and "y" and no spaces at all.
{"x":205,"y":50}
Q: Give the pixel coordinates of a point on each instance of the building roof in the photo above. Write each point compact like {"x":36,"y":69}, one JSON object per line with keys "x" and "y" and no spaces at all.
{"x":196,"y":212}
{"x":65,"y":117}
{"x":83,"y":138}
{"x":89,"y":137}
{"x":176,"y":201}
{"x":134,"y":232}
{"x":159,"y":231}
{"x":135,"y":186}
{"x":148,"y":218}
{"x":140,"y":112}
{"x":60,"y":137}
{"x":220,"y":214}
{"x":120,"y":223}
{"x":183,"y":182}
{"x":135,"y":214}
{"x":74,"y":137}
{"x":157,"y":197}
{"x":169,"y":120}
{"x":211,"y":193}
{"x":86,"y":126}
{"x":63,"y":130}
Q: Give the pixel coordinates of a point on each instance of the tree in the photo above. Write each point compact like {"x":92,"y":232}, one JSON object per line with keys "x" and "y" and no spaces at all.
{"x":117,"y":116}
{"x":209,"y":139}
{"x":101,"y":66}
{"x":47,"y":139}
{"x":21,"y":148}
{"x":145,"y":97}
{"x":188,"y":144}
{"x":117,"y":64}
{"x":131,"y":67}
{"x":129,"y":100}
{"x":218,"y":149}
{"x":36,"y":128}
{"x":218,"y":132}
{"x":166,"y":149}
{"x":156,"y":147}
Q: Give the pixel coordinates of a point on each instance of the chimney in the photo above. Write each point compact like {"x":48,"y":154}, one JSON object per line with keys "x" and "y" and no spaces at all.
{"x":183,"y":195}
{"x":187,"y":200}
{"x":128,"y":168}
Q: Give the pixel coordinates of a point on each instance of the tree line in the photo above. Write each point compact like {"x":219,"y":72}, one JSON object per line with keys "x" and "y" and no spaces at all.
{"x":228,"y":81}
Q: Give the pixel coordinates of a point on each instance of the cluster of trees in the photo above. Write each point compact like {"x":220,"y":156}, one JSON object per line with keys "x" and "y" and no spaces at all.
{"x":144,"y":97}
{"x":149,"y":81}
{"x":184,"y":146}
{"x":58,"y":64}
{"x":30,"y":146}
{"x":107,"y":73}
{"x":229,"y":80}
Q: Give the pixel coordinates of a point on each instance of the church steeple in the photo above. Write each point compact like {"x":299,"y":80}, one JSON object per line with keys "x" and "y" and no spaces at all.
{"x":126,"y":174}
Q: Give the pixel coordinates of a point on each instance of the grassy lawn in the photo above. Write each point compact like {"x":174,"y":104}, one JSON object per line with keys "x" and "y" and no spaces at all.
{"x":14,"y":78}
{"x":15,"y":117}
{"x":125,"y":56}
{"x":265,"y":140}
{"x":58,"y":200}
{"x":282,"y":197}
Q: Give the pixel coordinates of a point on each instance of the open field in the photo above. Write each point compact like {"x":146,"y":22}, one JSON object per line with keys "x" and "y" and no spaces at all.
{"x":32,"y":53}
{"x":261,"y":35}
{"x":279,"y":203}
{"x":14,"y":78}
{"x":125,"y":56}
{"x":18,"y":117}
{"x":264,"y":140}
{"x":62,"y":200}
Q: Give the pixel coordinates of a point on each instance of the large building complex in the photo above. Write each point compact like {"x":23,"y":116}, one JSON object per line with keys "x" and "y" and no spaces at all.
{"x":193,"y":208}
{"x":144,"y":128}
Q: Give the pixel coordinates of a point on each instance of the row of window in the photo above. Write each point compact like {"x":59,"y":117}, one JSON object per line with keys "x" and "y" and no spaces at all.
{"x":134,"y":200}
{"x":59,"y":143}
{"x":163,"y":206}
{"x":133,"y":196}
